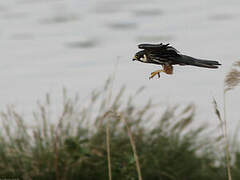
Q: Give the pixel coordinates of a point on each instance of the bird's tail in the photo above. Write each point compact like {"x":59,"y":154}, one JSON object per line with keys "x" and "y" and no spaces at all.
{"x":201,"y":62}
{"x":206,"y":63}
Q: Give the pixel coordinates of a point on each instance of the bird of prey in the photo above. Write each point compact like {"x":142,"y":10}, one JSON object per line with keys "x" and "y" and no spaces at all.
{"x":167,"y":56}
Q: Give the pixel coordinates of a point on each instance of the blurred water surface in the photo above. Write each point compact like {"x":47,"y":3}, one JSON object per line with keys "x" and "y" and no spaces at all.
{"x":48,"y":44}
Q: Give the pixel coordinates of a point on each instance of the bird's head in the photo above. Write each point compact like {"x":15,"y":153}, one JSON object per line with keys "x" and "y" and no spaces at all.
{"x":140,"y":56}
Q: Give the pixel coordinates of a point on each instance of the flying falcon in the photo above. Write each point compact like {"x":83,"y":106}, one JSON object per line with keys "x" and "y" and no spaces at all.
{"x":167,"y":56}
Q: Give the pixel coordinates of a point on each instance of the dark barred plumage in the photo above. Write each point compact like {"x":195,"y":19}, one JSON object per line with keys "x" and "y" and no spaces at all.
{"x":166,"y":55}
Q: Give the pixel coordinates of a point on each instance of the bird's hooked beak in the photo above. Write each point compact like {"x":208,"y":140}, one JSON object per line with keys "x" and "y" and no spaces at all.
{"x":134,"y":58}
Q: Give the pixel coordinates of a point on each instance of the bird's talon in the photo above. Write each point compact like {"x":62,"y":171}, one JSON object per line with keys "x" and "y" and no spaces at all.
{"x":155,"y":73}
{"x":150,"y":77}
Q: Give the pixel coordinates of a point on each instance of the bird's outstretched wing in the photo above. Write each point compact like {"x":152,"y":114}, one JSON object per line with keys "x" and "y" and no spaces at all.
{"x":159,"y":49}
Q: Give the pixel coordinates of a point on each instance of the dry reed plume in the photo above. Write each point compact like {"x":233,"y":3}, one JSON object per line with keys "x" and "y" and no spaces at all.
{"x":232,"y":80}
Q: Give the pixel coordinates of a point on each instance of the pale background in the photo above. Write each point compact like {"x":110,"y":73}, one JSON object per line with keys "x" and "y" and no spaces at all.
{"x":48,"y":44}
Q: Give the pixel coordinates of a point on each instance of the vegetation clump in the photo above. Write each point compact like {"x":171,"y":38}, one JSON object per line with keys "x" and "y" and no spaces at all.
{"x":74,"y":146}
